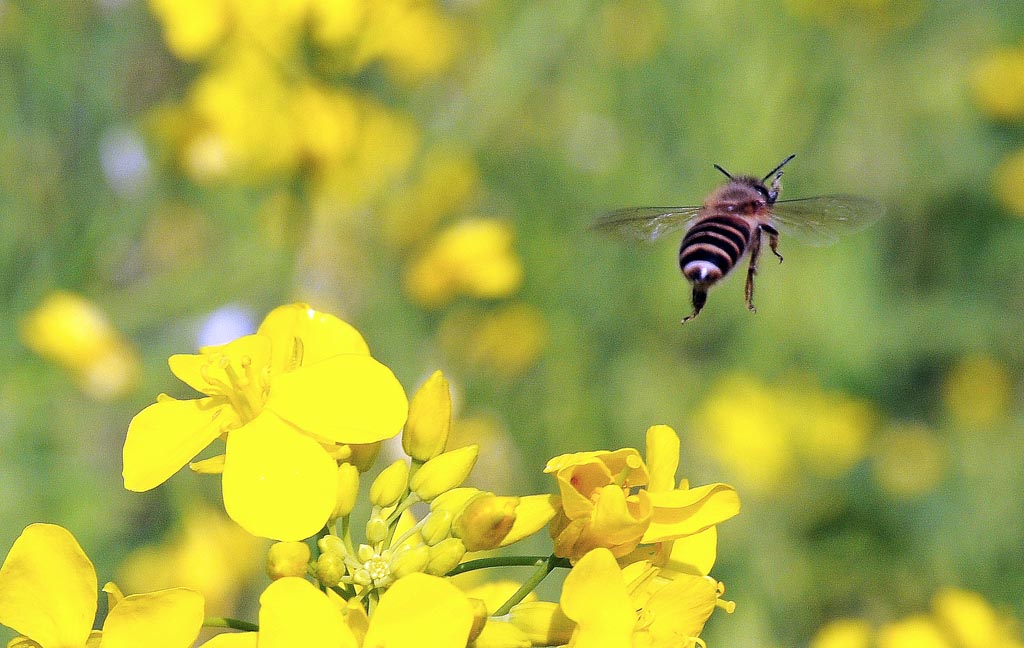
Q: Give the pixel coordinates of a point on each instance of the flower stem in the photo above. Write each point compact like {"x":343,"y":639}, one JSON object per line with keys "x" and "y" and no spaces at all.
{"x":543,"y":569}
{"x":508,"y":561}
{"x":227,"y":622}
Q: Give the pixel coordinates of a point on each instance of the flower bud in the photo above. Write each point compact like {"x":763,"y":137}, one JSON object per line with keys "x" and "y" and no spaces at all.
{"x":348,"y":490}
{"x":330,"y":569}
{"x":479,"y":618}
{"x":430,"y":419}
{"x":499,"y":634}
{"x":485,"y":522}
{"x":454,"y":500}
{"x":436,"y":527}
{"x":331,"y":544}
{"x":410,"y":561}
{"x":287,"y":559}
{"x":445,"y":555}
{"x":444,"y":472}
{"x":390,"y":484}
{"x":376,"y":529}
{"x":364,"y":455}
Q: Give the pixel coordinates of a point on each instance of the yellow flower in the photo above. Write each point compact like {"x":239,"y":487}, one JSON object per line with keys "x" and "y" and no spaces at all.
{"x":844,"y":633}
{"x":614,"y":500}
{"x":73,"y":332}
{"x":48,"y":594}
{"x":998,"y":83}
{"x":474,"y":258}
{"x":417,"y":611}
{"x":978,"y":390}
{"x":616,"y":608}
{"x":917,"y":631}
{"x":303,"y":381}
{"x":210,"y":554}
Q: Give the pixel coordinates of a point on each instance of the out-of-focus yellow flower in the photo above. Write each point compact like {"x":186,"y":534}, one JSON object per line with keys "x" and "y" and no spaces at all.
{"x":503,"y":343}
{"x":909,"y":460}
{"x":1007,"y":180}
{"x":474,"y":257}
{"x":633,"y":607}
{"x":912,"y":632}
{"x":48,"y":594}
{"x":972,"y":622}
{"x":71,"y":331}
{"x":612,"y":499}
{"x":977,"y":390}
{"x":210,"y":555}
{"x":192,"y":27}
{"x":998,"y":83}
{"x":764,"y":434}
{"x":844,"y":633}
{"x":412,"y":38}
{"x":446,"y":182}
{"x":303,"y":384}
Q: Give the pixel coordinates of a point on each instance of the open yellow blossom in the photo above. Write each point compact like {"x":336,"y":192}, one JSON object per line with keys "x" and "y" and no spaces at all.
{"x":301,"y":385}
{"x":616,"y":608}
{"x":417,"y":611}
{"x":48,"y":594}
{"x":614,"y":500}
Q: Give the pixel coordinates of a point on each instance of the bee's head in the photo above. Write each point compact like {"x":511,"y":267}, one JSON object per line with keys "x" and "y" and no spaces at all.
{"x":769,"y":193}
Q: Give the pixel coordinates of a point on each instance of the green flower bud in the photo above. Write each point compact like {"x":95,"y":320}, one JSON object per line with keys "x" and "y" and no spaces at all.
{"x":444,"y":472}
{"x":287,"y":559}
{"x":390,"y":484}
{"x":330,"y":569}
{"x":348,"y":490}
{"x":436,"y":527}
{"x":430,"y":420}
{"x":410,"y":561}
{"x":444,"y":556}
{"x":485,"y":522}
{"x":376,"y":530}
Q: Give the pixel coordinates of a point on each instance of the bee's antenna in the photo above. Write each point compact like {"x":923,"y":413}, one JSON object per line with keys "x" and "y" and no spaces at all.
{"x":727,"y":174}
{"x":773,"y":171}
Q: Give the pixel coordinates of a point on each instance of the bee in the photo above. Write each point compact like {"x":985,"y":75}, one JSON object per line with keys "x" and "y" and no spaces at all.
{"x":733,"y":220}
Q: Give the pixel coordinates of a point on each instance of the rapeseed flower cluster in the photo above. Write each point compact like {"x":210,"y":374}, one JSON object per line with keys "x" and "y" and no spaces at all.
{"x":367,"y":550}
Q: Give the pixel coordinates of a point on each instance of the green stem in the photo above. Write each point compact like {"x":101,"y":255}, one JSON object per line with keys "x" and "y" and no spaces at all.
{"x":507,"y":561}
{"x":227,"y":622}
{"x":543,"y":569}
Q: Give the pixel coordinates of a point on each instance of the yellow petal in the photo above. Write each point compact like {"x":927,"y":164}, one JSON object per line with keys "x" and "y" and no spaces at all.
{"x":532,"y":514}
{"x":595,"y":597}
{"x":278,"y":483}
{"x":682,"y":512}
{"x":48,"y":587}
{"x":294,"y":613}
{"x":166,"y":435}
{"x":345,"y":399}
{"x":321,"y":335}
{"x":680,"y":608}
{"x":206,"y":372}
{"x":166,"y":619}
{"x":694,"y":554}
{"x":617,"y":519}
{"x":662,"y":457}
{"x":421,"y":611}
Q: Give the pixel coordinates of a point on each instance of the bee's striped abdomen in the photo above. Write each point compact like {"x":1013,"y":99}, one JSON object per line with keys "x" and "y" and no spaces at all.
{"x":712,"y":247}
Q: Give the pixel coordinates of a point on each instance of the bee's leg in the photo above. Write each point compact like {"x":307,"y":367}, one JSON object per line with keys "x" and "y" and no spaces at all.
{"x":773,"y":240}
{"x":700,"y":296}
{"x":755,"y":251}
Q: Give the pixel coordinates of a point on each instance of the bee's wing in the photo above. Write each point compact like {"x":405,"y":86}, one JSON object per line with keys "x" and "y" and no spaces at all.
{"x":645,"y":223}
{"x":823,"y":219}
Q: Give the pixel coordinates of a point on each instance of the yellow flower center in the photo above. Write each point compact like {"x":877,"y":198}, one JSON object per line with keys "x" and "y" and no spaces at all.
{"x":245,"y":386}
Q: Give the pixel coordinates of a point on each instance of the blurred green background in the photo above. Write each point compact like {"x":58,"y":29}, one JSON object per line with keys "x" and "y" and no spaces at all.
{"x":428,"y":171}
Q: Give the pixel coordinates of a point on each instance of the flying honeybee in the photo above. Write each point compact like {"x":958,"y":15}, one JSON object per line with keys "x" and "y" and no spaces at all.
{"x":733,"y":220}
